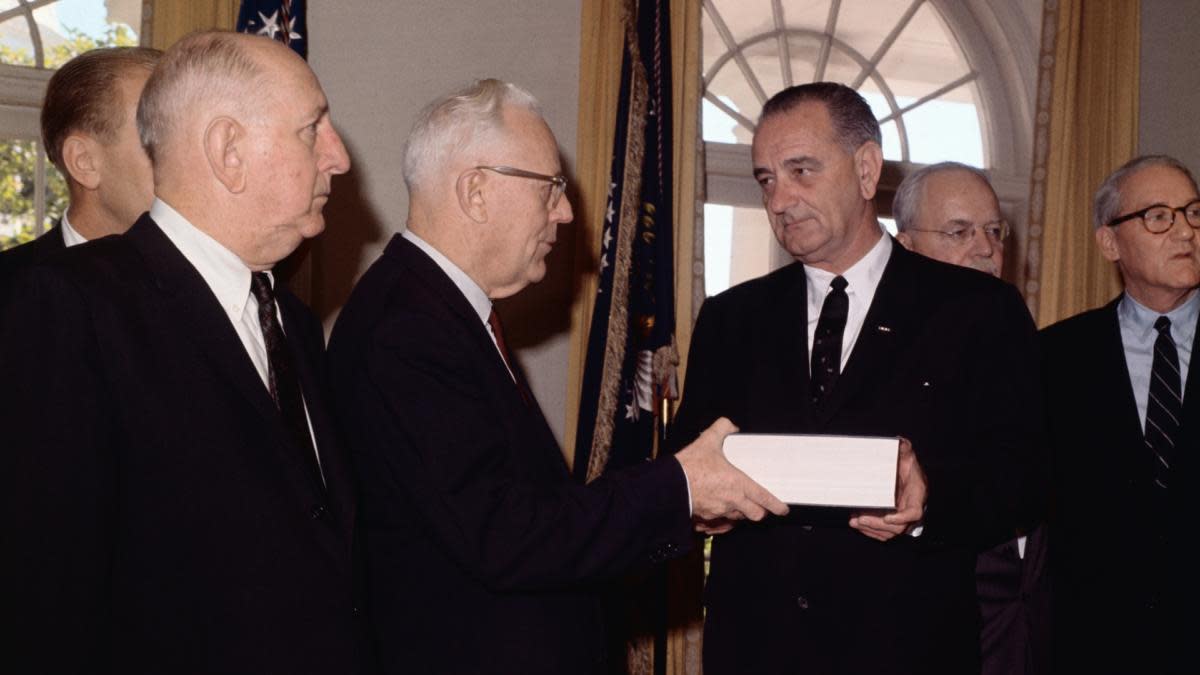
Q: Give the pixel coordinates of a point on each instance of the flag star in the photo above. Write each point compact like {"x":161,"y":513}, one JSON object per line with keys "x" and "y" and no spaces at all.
{"x":270,"y":25}
{"x":608,"y":217}
{"x":603,"y":262}
{"x":631,"y":412}
{"x":607,"y":237}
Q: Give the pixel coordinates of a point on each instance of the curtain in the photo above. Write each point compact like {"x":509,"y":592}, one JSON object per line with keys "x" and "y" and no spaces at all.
{"x":165,"y":21}
{"x":601,"y":44}
{"x":1088,"y":110}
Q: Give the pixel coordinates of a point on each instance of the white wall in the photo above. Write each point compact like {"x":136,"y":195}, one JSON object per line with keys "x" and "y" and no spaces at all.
{"x":1170,"y":87}
{"x":380,"y":62}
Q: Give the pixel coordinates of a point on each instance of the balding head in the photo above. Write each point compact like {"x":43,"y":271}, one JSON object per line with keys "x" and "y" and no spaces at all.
{"x":239,"y":132}
{"x":200,"y":72}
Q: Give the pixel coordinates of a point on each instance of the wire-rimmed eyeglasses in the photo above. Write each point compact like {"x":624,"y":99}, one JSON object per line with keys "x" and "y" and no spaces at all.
{"x":961,"y":233}
{"x":558,"y":184}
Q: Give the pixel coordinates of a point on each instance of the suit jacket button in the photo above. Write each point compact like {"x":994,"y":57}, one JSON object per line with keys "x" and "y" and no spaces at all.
{"x":802,"y":602}
{"x":317,"y":512}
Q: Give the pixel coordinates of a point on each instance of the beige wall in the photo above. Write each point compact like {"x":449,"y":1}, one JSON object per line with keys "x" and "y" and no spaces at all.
{"x":380,"y":61}
{"x":1170,"y":82}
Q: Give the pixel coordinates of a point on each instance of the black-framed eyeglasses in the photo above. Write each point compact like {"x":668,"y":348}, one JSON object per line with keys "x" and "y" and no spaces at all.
{"x":1158,"y":218}
{"x":962,"y":233}
{"x":558,"y":184}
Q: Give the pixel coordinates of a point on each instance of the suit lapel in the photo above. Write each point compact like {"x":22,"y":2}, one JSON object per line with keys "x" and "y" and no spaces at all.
{"x":415,"y":260}
{"x":884,"y":328}
{"x":1117,"y":379}
{"x":789,"y":336}
{"x":190,"y":305}
{"x":1191,"y":390}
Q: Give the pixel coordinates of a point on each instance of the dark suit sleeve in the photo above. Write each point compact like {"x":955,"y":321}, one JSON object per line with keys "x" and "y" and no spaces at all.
{"x":429,"y":444}
{"x":982,"y":443}
{"x":57,"y":480}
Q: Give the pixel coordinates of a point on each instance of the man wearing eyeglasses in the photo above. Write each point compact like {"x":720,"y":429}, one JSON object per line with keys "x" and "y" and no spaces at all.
{"x":949,"y":212}
{"x":483,"y":555}
{"x":1125,"y":422}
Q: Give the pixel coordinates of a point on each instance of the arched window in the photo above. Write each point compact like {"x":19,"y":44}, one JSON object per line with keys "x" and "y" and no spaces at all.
{"x":37,"y":36}
{"x":947,"y":80}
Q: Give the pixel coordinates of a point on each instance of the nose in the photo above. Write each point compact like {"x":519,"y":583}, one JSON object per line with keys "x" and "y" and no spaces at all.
{"x":982,"y":245}
{"x":563,"y":213}
{"x":778,"y":199}
{"x":333,"y":156}
{"x":1180,"y":229}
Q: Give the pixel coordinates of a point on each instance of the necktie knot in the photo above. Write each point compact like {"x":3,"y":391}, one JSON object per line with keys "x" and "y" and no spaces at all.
{"x":1163,"y":326}
{"x":839,"y":283}
{"x":260,"y":287}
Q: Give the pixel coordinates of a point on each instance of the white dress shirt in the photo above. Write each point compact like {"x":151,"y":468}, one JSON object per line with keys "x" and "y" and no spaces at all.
{"x":229,"y":279}
{"x":476,"y":296}
{"x":862,"y":278}
{"x":1138,"y":336}
{"x":70,"y":235}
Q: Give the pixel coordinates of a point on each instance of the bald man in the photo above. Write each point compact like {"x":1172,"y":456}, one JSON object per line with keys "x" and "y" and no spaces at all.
{"x":949,"y":212}
{"x":191,"y":510}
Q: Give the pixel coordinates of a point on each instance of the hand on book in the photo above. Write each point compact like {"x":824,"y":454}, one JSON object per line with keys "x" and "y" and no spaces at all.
{"x":911,"y":492}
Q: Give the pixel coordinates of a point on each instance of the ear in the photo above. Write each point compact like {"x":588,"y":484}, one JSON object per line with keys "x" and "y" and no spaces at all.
{"x":905,"y":240}
{"x":81,"y":158}
{"x":868,"y":163}
{"x":469,"y":191}
{"x":224,"y":148}
{"x":1106,"y":239}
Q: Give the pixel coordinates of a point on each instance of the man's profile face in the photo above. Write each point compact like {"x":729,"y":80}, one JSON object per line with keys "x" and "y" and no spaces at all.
{"x":953,"y":210}
{"x":522,"y":226}
{"x":126,"y":187}
{"x":292,"y":155}
{"x":813,"y":191}
{"x":1153,"y":265}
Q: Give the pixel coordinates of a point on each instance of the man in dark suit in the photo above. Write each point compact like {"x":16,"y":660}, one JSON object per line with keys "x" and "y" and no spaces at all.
{"x":895,"y":341}
{"x":1125,"y":424}
{"x":949,"y":212}
{"x":484,"y":556}
{"x":90,"y":134}
{"x":175,"y":498}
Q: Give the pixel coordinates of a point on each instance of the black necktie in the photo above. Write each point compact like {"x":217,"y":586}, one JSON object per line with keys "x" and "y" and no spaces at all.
{"x":498,"y":333}
{"x":1164,"y":408}
{"x":827,"y":342}
{"x":281,"y":376}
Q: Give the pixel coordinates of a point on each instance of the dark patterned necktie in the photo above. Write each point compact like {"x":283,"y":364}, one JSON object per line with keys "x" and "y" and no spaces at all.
{"x":281,"y":376}
{"x":1164,"y":408}
{"x":827,"y":341}
{"x":498,"y":333}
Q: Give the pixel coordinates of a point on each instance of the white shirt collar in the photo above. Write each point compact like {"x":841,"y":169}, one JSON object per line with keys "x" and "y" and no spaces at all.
{"x":222,"y":269}
{"x":475,"y":295}
{"x":862,"y":278}
{"x":70,"y":235}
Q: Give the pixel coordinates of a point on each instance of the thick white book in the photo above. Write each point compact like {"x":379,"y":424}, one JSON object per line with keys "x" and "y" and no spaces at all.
{"x":819,"y":470}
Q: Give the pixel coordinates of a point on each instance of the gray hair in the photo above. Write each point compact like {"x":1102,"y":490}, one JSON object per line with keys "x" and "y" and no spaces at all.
{"x":853,"y":121}
{"x":906,"y":205}
{"x":1107,"y":202}
{"x":458,"y":121}
{"x":201,"y":68}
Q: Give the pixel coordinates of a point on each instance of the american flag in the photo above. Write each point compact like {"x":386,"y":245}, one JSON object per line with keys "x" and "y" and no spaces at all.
{"x":281,"y":20}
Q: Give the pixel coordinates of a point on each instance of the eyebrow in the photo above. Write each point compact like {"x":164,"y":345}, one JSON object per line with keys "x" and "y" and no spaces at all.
{"x":803,"y":161}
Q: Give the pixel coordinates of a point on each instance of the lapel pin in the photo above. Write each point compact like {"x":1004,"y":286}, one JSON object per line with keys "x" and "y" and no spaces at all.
{"x":883,"y":329}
